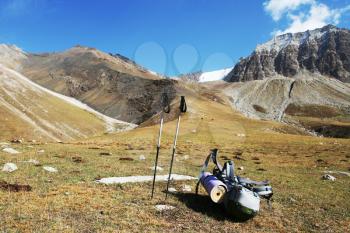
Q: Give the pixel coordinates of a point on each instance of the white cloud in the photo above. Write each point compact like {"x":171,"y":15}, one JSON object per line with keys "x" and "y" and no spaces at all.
{"x":318,"y":16}
{"x":279,"y":7}
{"x":315,"y":15}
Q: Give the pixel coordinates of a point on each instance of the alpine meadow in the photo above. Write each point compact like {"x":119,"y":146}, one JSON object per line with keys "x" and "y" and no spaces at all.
{"x":174,"y":116}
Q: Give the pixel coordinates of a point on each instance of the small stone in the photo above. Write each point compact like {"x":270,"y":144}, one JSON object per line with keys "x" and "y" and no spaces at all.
{"x":328,"y":177}
{"x":172,"y":190}
{"x":41,"y":151}
{"x":10,"y":150}
{"x":50,"y":169}
{"x":158,"y":168}
{"x":194,"y":131}
{"x":185,"y":157}
{"x":164,"y":207}
{"x":9,"y":167}
{"x":77,"y":159}
{"x":241,"y":168}
{"x":142,"y":157}
{"x":292,"y":200}
{"x":338,"y":172}
{"x":4,"y":144}
{"x":126,"y":159}
{"x":186,"y":188}
{"x":106,"y":153}
{"x":33,"y":161}
{"x":240,"y":135}
{"x":17,"y":140}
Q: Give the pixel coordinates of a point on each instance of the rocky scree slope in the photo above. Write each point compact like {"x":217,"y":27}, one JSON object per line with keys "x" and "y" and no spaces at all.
{"x":273,"y":98}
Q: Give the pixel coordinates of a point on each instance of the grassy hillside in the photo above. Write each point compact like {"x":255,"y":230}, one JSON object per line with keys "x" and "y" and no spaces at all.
{"x":113,"y":85}
{"x":30,"y":112}
{"x":70,"y":200}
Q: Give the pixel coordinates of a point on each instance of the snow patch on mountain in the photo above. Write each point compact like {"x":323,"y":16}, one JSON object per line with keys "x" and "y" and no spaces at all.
{"x":204,"y":76}
{"x":214,"y":75}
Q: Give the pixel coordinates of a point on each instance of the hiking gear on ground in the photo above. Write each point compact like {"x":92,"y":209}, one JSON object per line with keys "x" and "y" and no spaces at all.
{"x":165,"y":104}
{"x":183,"y":109}
{"x":214,"y":187}
{"x":242,"y":202}
{"x":242,"y":199}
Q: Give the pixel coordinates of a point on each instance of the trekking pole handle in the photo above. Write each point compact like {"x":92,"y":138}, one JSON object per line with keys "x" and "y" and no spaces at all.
{"x":183,"y":105}
{"x":165,"y":103}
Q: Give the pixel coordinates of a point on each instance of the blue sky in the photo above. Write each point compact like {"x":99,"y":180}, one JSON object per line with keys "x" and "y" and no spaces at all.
{"x":167,"y":36}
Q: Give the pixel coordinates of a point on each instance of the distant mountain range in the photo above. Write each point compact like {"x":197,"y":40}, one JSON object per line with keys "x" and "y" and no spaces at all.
{"x":290,"y":78}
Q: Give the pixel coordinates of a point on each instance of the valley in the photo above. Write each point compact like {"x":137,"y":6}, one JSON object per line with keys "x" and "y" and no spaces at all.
{"x":71,"y":200}
{"x":71,"y":118}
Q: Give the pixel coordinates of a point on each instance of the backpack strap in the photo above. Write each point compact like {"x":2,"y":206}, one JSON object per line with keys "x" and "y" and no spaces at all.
{"x":229,"y":171}
{"x":246,"y":181}
{"x":264,"y":191}
{"x":263,"y":188}
{"x":212,"y":157}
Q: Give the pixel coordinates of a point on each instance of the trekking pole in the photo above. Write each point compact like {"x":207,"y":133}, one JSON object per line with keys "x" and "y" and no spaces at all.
{"x":165,"y":109}
{"x":183,"y":109}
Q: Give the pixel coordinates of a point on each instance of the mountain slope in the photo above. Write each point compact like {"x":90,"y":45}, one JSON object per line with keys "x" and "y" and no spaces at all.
{"x":271,"y":98}
{"x":33,"y":112}
{"x":300,"y":79}
{"x":325,"y":51}
{"x":12,"y":56}
{"x":110,"y":84}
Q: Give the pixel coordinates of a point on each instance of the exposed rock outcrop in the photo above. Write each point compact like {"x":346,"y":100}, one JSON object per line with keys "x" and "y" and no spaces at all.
{"x":325,"y":51}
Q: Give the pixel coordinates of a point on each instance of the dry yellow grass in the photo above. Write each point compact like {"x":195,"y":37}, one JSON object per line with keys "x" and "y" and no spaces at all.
{"x":70,"y":201}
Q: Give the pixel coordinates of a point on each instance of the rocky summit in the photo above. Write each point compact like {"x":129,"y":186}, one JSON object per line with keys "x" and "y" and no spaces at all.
{"x":325,"y":51}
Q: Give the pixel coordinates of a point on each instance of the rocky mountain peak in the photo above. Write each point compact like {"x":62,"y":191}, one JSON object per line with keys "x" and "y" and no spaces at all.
{"x":324,"y":51}
{"x":281,"y":41}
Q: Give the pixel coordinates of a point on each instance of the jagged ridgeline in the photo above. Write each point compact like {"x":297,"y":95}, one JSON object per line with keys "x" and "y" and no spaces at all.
{"x":325,"y":51}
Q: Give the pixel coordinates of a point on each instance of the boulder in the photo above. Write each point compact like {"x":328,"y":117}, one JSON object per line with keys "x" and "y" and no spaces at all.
{"x":328,"y":177}
{"x":50,"y":169}
{"x":9,"y":167}
{"x":10,"y":150}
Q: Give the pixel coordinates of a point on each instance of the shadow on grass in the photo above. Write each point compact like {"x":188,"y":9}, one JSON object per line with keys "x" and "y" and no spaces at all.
{"x":202,"y":204}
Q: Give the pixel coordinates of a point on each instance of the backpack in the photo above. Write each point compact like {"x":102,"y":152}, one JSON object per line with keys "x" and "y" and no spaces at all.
{"x":241,"y":196}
